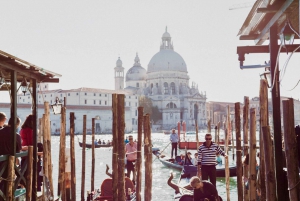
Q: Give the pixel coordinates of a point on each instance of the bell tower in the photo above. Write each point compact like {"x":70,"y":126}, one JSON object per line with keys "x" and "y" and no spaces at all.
{"x":119,"y":75}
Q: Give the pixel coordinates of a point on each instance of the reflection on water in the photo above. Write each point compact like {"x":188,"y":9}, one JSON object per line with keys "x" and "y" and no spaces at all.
{"x":103,"y":156}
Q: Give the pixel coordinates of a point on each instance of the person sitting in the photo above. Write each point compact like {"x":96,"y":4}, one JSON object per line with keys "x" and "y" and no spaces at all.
{"x":96,"y":142}
{"x":219,"y":159}
{"x":99,"y":141}
{"x":103,"y":142}
{"x":182,"y":157}
{"x":195,"y":159}
{"x":108,"y":142}
{"x":203,"y":190}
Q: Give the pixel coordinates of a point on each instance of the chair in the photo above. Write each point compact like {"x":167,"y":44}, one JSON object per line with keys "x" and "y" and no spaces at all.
{"x":106,"y":190}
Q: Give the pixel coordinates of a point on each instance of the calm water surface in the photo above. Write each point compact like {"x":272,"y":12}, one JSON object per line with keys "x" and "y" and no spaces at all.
{"x":103,"y":156}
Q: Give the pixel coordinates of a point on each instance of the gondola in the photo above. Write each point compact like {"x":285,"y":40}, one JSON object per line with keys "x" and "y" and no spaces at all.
{"x":172,"y":163}
{"x":96,"y":145}
{"x":183,"y":190}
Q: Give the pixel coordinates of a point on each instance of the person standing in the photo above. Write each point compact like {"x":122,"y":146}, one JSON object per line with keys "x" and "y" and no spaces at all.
{"x":207,"y":159}
{"x":131,"y":155}
{"x":27,"y":131}
{"x":174,"y":141}
{"x":2,"y":119}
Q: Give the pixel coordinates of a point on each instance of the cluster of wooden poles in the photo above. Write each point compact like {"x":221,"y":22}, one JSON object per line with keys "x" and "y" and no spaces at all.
{"x":266,"y":184}
{"x":66,"y":176}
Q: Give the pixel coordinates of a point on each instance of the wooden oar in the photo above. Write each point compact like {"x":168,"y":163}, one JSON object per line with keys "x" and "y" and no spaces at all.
{"x":162,"y":151}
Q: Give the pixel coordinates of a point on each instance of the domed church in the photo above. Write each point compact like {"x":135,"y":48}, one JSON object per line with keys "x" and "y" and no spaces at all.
{"x":166,"y":83}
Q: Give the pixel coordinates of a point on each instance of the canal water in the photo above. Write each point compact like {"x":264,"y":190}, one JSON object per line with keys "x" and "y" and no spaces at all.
{"x":103,"y":156}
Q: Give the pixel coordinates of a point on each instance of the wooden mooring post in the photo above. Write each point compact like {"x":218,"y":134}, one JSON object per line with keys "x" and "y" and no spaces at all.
{"x":148,"y":159}
{"x":290,"y":148}
{"x":139,"y":154}
{"x":264,"y":121}
{"x":93,"y":156}
{"x":208,"y":126}
{"x":10,"y":178}
{"x":72,"y":150}
{"x":83,"y":159}
{"x":29,"y":173}
{"x":252,"y":155}
{"x":197,"y":137}
{"x":227,"y":173}
{"x":62,"y":156}
{"x":270,"y":168}
{"x":245,"y":139}
{"x":239,"y":167}
{"x":121,"y":148}
{"x":115,"y":146}
{"x":218,"y":138}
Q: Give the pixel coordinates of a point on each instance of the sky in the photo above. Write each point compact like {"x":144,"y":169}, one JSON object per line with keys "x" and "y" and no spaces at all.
{"x":82,"y":40}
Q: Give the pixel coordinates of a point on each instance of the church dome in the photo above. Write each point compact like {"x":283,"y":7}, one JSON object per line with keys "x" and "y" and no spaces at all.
{"x":166,"y":35}
{"x":136,"y":72}
{"x":119,"y":62}
{"x":167,"y":60}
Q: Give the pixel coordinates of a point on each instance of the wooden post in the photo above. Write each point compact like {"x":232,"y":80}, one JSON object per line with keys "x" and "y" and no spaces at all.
{"x":197,"y":138}
{"x":178,"y":129}
{"x":72,"y":147}
{"x":115,"y":146}
{"x":68,"y":174}
{"x":208,"y":126}
{"x":148,"y":159}
{"x":48,"y":141}
{"x":121,"y":149}
{"x":232,"y":139}
{"x":139,"y":154}
{"x":45,"y":151}
{"x":10,"y":178}
{"x":264,"y":113}
{"x":216,"y":134}
{"x":83,"y":159}
{"x":252,"y":155}
{"x":29,"y":173}
{"x":40,"y":133}
{"x":227,"y":173}
{"x":290,"y":147}
{"x":218,"y":138}
{"x":62,"y":149}
{"x":270,"y":168}
{"x":239,"y":167}
{"x":93,"y":155}
{"x":245,"y":139}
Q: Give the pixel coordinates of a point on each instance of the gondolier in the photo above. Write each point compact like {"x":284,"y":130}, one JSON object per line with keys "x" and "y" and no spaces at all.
{"x":207,"y":159}
{"x":131,"y":154}
{"x":174,"y":140}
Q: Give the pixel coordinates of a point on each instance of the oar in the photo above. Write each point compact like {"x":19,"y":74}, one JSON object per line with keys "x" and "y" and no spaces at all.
{"x":162,"y":151}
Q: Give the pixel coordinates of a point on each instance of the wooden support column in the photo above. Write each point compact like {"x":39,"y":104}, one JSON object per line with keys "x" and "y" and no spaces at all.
{"x":208,"y":126}
{"x":10,"y":178}
{"x":139,"y":154}
{"x":218,"y":138}
{"x":264,"y":113}
{"x":252,"y":155}
{"x":121,"y":150}
{"x":282,"y":193}
{"x":29,"y":173}
{"x":93,"y":156}
{"x":270,"y":162}
{"x":72,"y":147}
{"x":245,"y":139}
{"x":62,"y":155}
{"x":290,"y":147}
{"x":239,"y":167}
{"x":148,"y":159}
{"x":115,"y":147}
{"x":83,"y":159}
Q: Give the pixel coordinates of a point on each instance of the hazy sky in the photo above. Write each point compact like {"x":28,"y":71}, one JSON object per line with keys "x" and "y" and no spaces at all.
{"x":82,"y":40}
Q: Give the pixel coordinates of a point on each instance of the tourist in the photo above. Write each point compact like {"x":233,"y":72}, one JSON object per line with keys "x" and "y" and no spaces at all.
{"x":174,"y":141}
{"x":6,"y":146}
{"x":219,"y":159}
{"x":182,"y":158}
{"x":99,"y":141}
{"x":195,"y":159}
{"x":203,"y":190}
{"x":103,"y":142}
{"x":207,"y":159}
{"x":27,"y":132}
{"x":96,"y":142}
{"x":131,"y":154}
{"x":126,"y":140}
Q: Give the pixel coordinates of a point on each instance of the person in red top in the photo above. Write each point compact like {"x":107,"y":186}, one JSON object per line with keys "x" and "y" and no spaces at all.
{"x":27,"y":131}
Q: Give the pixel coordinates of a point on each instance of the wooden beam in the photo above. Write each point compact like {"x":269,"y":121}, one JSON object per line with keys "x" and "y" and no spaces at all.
{"x":265,"y":49}
{"x":273,"y":20}
{"x":266,"y":10}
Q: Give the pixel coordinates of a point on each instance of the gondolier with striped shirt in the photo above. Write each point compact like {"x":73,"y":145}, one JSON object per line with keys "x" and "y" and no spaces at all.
{"x":207,"y":159}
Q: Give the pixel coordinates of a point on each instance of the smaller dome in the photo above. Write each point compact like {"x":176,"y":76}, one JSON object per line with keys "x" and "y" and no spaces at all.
{"x":166,"y":35}
{"x":136,"y":72}
{"x":119,"y":62}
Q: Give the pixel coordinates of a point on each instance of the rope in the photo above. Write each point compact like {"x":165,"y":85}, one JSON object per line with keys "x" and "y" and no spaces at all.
{"x":294,"y":186}
{"x":3,"y":179}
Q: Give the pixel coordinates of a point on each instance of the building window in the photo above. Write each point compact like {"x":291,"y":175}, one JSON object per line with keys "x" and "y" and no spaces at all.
{"x":68,"y":94}
{"x":85,"y":93}
{"x":20,"y":97}
{"x":23,"y":100}
{"x":45,"y":95}
{"x":85,"y":101}
{"x":28,"y":97}
{"x":94,"y":94}
{"x":136,"y":104}
{"x":129,"y":97}
{"x":76,"y":94}
{"x":156,"y":85}
{"x":129,"y":104}
{"x":51,"y":95}
{"x":136,"y":112}
{"x":166,"y":88}
{"x":99,"y":94}
{"x":99,"y":102}
{"x":172,"y":85}
{"x":105,"y":102}
{"x":94,"y":102}
{"x":105,"y":95}
{"x":60,"y":95}
{"x":137,"y":85}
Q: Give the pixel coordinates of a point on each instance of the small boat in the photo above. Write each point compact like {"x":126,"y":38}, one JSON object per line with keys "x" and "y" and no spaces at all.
{"x":190,"y":133}
{"x":96,"y":145}
{"x":168,"y":162}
